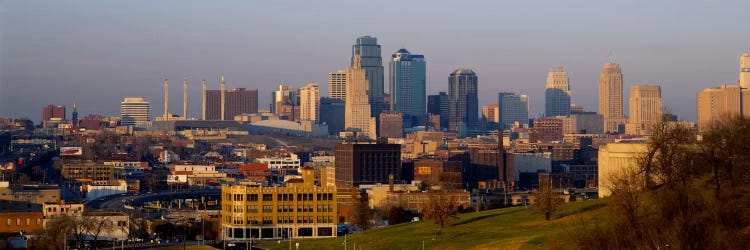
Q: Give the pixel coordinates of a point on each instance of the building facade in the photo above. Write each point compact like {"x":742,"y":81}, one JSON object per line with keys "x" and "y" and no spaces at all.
{"x":134,"y":111}
{"x":337,"y":85}
{"x":438,"y":105}
{"x":513,"y":109}
{"x":646,"y":109}
{"x":52,"y":111}
{"x":370,"y":59}
{"x":610,"y":97}
{"x":309,"y":97}
{"x":298,"y":210}
{"x":615,"y":159}
{"x":491,"y":113}
{"x":236,"y":102}
{"x":557,"y":93}
{"x":366,"y":163}
{"x":391,"y":125}
{"x":583,"y":123}
{"x":745,"y":70}
{"x":408,"y":82}
{"x":358,"y":111}
{"x":332,"y":113}
{"x":463,"y":101}
{"x":549,"y":129}
{"x":719,"y":103}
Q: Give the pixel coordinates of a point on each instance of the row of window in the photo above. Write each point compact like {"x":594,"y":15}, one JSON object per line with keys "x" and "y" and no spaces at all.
{"x":282,"y":208}
{"x":279,"y":197}
{"x":18,"y":221}
{"x":282,"y":220}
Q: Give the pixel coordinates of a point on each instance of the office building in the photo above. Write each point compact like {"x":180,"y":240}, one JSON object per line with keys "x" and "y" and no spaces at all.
{"x":332,"y":113}
{"x":616,"y":159}
{"x":645,"y":109}
{"x":358,"y":110}
{"x":371,"y":61}
{"x":463,"y":101}
{"x":283,"y":95}
{"x":583,"y":123}
{"x":337,"y":85}
{"x":134,"y":111}
{"x":52,"y":111}
{"x":408,"y":82}
{"x":513,"y":109}
{"x":391,"y":125}
{"x":299,"y":210}
{"x":309,"y":98}
{"x":438,"y":105}
{"x":549,"y":129}
{"x":491,"y":113}
{"x":557,"y":93}
{"x":745,"y":70}
{"x":610,"y":97}
{"x":224,"y":105}
{"x":366,"y":163}
{"x":717,"y":103}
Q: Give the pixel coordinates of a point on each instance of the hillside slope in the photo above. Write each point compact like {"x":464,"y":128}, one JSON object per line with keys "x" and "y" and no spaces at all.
{"x":507,"y":228}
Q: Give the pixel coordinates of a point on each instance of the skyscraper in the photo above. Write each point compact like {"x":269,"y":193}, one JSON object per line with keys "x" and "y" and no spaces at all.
{"x":745,"y":71}
{"x":720,"y":102}
{"x":332,"y":113}
{"x":337,"y":85}
{"x":283,"y":95}
{"x":610,"y":97}
{"x":372,"y":62}
{"x":557,"y":94}
{"x":408,"y":79}
{"x":203,"y":103}
{"x":222,"y":104}
{"x":74,"y":115}
{"x":513,"y":108}
{"x":645,"y":109}
{"x":134,"y":111}
{"x":464,"y":103}
{"x":438,"y":105}
{"x":358,"y":116}
{"x":309,"y":97}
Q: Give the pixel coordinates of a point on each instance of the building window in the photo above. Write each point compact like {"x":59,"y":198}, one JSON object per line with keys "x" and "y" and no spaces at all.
{"x":252,"y":197}
{"x":267,"y":197}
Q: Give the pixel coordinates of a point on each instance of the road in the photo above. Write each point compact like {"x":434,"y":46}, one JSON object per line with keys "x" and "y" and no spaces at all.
{"x":118,"y":202}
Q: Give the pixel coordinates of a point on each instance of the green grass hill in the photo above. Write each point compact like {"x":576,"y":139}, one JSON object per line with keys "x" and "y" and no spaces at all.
{"x":506,"y":228}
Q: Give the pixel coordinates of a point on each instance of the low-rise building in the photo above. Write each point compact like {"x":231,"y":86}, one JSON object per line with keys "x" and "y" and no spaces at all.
{"x":298,"y":210}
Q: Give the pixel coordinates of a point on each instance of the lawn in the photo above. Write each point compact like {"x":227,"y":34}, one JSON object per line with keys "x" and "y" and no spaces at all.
{"x":507,"y":228}
{"x":191,"y":247}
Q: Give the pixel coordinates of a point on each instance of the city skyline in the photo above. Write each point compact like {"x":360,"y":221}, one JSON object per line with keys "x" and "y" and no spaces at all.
{"x":679,"y":61}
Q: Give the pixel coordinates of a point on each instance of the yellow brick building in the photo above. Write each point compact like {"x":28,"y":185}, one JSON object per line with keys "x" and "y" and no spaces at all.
{"x":299,"y":210}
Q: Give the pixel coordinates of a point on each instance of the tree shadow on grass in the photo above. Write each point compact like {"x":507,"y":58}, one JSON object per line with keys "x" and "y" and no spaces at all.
{"x":482,"y":218}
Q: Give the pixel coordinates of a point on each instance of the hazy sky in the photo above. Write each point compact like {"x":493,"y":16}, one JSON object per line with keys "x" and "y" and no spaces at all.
{"x":97,"y":52}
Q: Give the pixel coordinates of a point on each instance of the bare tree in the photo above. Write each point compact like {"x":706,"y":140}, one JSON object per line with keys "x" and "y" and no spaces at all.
{"x":548,"y":203}
{"x":440,"y":208}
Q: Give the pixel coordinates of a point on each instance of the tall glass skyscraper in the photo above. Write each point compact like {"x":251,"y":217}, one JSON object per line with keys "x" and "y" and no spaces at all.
{"x":557,"y":94}
{"x":464,"y":104}
{"x":368,"y":49}
{"x":408,"y":82}
{"x":513,"y":108}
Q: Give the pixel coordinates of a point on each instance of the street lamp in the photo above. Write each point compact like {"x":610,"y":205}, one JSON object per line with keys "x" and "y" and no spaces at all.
{"x":296,"y":245}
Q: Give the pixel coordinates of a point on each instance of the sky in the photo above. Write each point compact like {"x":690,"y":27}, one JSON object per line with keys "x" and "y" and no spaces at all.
{"x":98,"y":52}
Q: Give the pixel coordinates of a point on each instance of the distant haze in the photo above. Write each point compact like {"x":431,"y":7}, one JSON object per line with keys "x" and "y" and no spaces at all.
{"x":98,"y":52}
